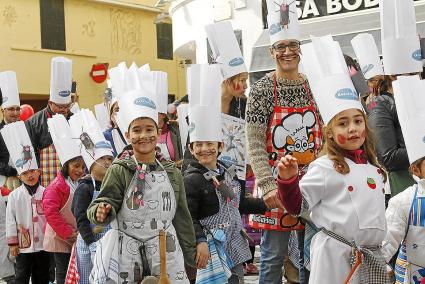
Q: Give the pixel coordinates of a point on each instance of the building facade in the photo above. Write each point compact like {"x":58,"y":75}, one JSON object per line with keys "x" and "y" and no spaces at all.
{"x":88,"y":32}
{"x":344,"y":19}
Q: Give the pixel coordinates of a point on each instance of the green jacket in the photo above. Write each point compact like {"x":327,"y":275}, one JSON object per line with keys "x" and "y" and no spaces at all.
{"x":117,"y":180}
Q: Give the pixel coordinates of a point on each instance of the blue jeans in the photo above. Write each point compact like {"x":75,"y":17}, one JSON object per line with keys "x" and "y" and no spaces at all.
{"x":274,"y":248}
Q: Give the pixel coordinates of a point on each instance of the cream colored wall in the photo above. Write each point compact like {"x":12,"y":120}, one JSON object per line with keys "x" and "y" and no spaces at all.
{"x":95,"y":33}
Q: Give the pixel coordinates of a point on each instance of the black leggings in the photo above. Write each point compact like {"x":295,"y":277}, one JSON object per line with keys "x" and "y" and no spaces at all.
{"x":32,"y":265}
{"x":61,"y":262}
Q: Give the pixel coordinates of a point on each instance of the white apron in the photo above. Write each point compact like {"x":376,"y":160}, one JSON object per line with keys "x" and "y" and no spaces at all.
{"x":149,"y":206}
{"x":6,"y":266}
{"x":351,"y":206}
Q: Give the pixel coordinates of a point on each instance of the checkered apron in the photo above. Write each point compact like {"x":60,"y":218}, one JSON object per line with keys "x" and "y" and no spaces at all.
{"x":83,"y":253}
{"x":72,"y":275}
{"x":303,"y":141}
{"x":368,"y":263}
{"x":49,"y":164}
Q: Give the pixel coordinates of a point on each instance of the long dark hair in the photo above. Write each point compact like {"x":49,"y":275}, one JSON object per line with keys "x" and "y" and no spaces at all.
{"x":65,"y":167}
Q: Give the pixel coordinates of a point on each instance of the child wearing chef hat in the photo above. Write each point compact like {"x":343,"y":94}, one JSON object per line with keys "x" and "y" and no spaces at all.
{"x":61,"y":228}
{"x":343,"y":189}
{"x":97,"y":155}
{"x":144,"y":194}
{"x":25,"y":218}
{"x":404,"y":210}
{"x":215,"y":209}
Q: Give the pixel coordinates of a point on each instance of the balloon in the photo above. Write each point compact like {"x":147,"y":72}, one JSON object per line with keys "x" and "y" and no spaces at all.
{"x":26,"y":112}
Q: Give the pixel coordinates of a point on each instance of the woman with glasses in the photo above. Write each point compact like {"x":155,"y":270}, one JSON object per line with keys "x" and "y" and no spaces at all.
{"x":280,"y":105}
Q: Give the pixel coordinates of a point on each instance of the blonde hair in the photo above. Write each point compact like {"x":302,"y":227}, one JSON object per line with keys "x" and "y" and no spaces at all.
{"x":336,"y":153}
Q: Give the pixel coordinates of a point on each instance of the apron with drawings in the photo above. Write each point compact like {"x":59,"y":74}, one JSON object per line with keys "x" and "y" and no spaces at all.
{"x":228,"y":219}
{"x":149,"y":206}
{"x":410,"y":265}
{"x":292,"y":131}
{"x":84,"y":260}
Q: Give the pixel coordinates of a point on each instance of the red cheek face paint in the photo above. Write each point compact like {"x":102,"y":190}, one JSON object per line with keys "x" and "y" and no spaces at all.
{"x":237,"y":87}
{"x":341,"y":139}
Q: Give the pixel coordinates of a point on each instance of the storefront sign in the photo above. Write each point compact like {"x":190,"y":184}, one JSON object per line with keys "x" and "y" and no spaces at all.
{"x":307,"y":9}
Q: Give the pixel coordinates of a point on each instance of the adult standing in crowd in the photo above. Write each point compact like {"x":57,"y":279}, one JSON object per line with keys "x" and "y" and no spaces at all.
{"x":11,"y":111}
{"x":279,"y":100}
{"x":59,"y":103}
{"x":399,"y":58}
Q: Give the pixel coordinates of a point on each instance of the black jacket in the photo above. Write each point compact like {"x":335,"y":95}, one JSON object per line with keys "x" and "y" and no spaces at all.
{"x":203,"y":201}
{"x":390,"y":146}
{"x":39,"y":131}
{"x":82,"y":198}
{"x":5,"y":169}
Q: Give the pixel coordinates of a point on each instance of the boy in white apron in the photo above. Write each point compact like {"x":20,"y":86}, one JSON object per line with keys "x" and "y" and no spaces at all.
{"x":25,"y":218}
{"x":97,"y":155}
{"x":344,"y":190}
{"x":406,"y":211}
{"x":143,"y":196}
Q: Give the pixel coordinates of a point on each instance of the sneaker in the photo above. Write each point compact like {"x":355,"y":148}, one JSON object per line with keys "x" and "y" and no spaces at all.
{"x":251,"y":268}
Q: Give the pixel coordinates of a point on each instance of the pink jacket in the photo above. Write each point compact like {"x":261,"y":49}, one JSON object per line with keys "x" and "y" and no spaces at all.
{"x":54,"y":199}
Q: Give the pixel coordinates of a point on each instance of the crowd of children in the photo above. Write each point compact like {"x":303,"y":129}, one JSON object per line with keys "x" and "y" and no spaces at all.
{"x":118,"y":208}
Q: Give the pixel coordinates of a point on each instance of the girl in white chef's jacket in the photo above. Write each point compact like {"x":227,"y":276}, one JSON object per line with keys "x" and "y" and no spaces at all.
{"x":344,"y":190}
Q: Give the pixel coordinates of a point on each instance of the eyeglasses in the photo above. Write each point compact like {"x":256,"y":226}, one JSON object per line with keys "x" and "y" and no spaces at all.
{"x":63,"y":107}
{"x":293,"y":46}
{"x":16,"y":109}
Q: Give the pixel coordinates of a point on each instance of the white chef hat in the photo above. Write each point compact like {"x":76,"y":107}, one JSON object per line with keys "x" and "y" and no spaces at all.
{"x":102,"y":116}
{"x":283,"y":20}
{"x":9,"y":89}
{"x":225,"y":48}
{"x":408,"y":95}
{"x":138,"y":100}
{"x":94,"y":145}
{"x":117,"y":79}
{"x":328,"y":76}
{"x":66,"y":144}
{"x":400,"y":41}
{"x":60,"y":80}
{"x":367,"y":54}
{"x":160,"y":81}
{"x":182,"y":114}
{"x":205,"y":103}
{"x":19,"y":145}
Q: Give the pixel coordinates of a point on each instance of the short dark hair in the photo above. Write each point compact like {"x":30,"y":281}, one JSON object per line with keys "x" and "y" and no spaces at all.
{"x":140,"y":118}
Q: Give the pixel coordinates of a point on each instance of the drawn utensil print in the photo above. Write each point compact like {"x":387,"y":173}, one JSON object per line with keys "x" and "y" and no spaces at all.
{"x":124,"y":276}
{"x":154,"y":224}
{"x":295,"y":136}
{"x":133,"y":246}
{"x":170,"y":242}
{"x":151,"y":249}
{"x":180,"y":275}
{"x":166,"y":201}
{"x":284,"y":13}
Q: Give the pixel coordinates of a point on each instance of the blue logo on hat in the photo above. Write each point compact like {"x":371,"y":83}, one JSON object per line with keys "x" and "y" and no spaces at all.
{"x":423,"y":139}
{"x":5,"y":99}
{"x":191,"y":127}
{"x":146,"y":102}
{"x":417,"y":55}
{"x":64,"y":94}
{"x":228,"y":160}
{"x":347,"y":94}
{"x":236,"y":61}
{"x":274,"y":29}
{"x":102,"y":145}
{"x":367,"y":68}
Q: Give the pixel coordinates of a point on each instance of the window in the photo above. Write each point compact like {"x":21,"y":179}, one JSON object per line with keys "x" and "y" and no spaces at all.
{"x":52,"y":20}
{"x":264,"y":13}
{"x":164,"y":41}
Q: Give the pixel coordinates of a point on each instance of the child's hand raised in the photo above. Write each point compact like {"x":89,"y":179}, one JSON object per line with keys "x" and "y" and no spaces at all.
{"x":287,"y":167}
{"x":102,"y":211}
